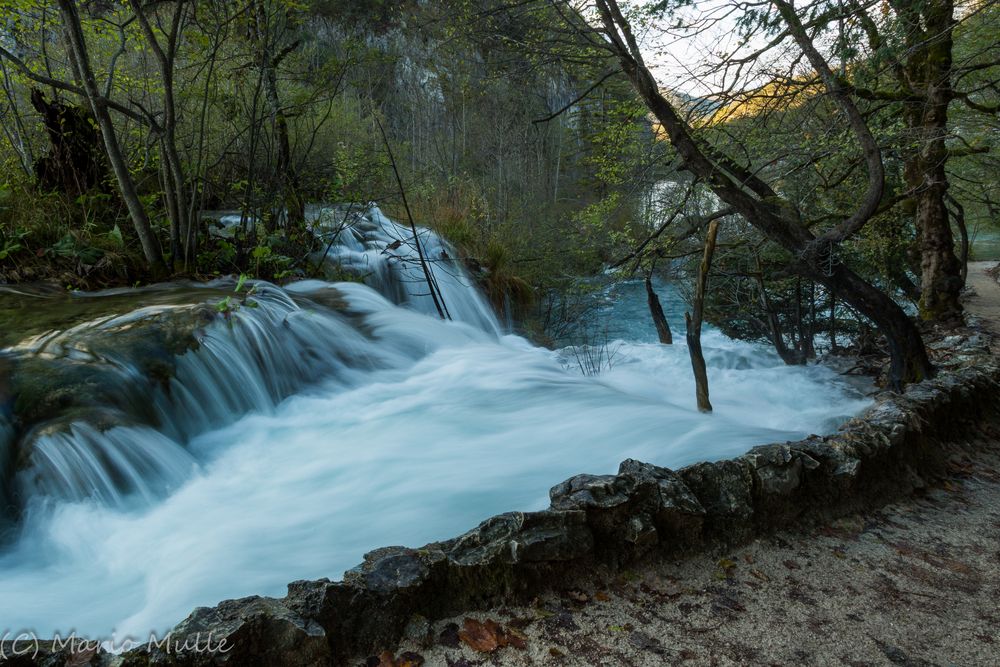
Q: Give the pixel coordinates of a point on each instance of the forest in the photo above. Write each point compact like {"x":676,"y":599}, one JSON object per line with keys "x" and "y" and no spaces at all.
{"x":451,"y":252}
{"x":532,"y":135}
{"x":265,"y":108}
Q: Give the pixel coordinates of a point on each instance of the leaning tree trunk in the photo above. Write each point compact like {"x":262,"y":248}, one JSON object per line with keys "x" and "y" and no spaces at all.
{"x":656,"y":312}
{"x":693,"y":322}
{"x":760,"y":204}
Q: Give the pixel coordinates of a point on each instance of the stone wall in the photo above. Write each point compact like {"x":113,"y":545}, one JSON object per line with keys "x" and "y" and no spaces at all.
{"x":898,"y":446}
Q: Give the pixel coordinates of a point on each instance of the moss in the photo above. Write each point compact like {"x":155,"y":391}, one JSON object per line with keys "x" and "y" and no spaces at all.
{"x":82,"y":370}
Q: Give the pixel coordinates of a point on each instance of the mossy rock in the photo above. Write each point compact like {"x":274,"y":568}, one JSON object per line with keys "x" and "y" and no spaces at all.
{"x":75,"y":354}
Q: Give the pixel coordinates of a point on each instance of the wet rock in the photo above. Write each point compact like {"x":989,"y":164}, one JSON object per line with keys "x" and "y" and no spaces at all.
{"x":418,"y":630}
{"x":25,"y":652}
{"x":674,"y":509}
{"x":589,"y":492}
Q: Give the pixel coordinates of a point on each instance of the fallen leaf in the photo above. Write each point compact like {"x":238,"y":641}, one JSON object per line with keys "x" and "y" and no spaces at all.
{"x":601,"y":596}
{"x":556,"y":653}
{"x":578,"y":596}
{"x":489,"y":636}
{"x":479,"y":636}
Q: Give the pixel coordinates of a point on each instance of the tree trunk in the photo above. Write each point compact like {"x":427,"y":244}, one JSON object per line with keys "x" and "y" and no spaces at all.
{"x":268,"y":30}
{"x":928,"y":73}
{"x":287,"y":179}
{"x":804,"y":346}
{"x":833,"y":323}
{"x":694,"y":321}
{"x":98,"y":104}
{"x":75,"y":163}
{"x":958,"y":213}
{"x":659,"y":318}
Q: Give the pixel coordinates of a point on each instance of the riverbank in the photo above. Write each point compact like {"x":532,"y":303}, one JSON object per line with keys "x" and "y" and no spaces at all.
{"x":911,"y":583}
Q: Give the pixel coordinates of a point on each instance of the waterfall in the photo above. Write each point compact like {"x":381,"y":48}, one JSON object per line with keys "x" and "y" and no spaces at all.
{"x":113,"y":466}
{"x":128,"y":445}
{"x":218,"y":355}
{"x":371,"y":247}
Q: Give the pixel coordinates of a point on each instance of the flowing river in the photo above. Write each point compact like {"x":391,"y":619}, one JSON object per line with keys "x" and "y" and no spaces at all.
{"x":316,"y":422}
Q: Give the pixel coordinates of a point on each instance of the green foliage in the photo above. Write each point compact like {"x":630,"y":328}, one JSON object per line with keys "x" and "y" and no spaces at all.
{"x":458,"y":86}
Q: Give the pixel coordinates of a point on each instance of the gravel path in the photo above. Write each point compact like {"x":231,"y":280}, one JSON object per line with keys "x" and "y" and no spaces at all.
{"x":985,"y":300}
{"x":913,"y":583}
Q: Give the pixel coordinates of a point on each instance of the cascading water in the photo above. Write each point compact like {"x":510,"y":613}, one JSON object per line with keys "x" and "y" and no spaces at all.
{"x":384,"y":254}
{"x":131,"y":443}
{"x":288,"y":431}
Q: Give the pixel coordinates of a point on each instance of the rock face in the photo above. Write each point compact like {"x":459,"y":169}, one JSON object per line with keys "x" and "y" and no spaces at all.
{"x":593,"y":520}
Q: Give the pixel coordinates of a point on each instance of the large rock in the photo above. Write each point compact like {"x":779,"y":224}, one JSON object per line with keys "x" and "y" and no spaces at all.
{"x":629,"y":513}
{"x":250,"y":632}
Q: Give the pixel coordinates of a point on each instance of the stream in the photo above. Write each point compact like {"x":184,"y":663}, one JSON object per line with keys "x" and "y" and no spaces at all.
{"x":316,"y":422}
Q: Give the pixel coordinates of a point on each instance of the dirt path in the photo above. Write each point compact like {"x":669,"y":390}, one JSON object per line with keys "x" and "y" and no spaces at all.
{"x":916,"y":583}
{"x":985,"y":303}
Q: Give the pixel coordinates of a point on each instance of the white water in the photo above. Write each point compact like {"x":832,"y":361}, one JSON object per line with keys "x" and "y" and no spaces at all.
{"x":445,"y":424}
{"x":386,"y":256}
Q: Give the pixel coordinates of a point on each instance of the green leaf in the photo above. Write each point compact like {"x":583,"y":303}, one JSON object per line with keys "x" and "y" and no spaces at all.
{"x":116,"y":236}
